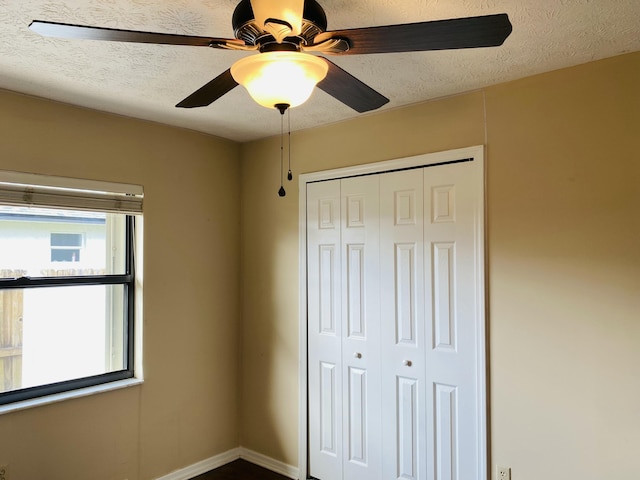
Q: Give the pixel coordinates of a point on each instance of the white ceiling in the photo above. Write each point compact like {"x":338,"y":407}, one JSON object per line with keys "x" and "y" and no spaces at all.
{"x":146,"y":81}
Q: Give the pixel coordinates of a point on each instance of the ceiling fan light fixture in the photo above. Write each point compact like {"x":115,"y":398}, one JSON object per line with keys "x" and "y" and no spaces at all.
{"x":273,"y":78}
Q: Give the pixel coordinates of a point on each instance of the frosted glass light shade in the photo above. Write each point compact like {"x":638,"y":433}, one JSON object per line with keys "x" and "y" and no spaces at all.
{"x":272,"y":78}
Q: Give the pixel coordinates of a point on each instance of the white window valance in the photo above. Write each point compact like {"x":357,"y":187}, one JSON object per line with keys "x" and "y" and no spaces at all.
{"x":34,"y":190}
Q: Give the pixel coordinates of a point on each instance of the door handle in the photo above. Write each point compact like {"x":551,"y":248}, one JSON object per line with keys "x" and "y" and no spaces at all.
{"x":407,"y":363}
{"x":357,"y":355}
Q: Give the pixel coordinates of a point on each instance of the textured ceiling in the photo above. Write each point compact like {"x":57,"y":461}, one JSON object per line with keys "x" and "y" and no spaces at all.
{"x":146,"y":81}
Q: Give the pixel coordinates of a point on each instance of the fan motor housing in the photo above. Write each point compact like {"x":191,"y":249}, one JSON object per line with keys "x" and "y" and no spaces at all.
{"x":246,"y":29}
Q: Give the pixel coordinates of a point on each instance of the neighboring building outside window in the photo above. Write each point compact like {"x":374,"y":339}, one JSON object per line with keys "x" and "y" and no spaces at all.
{"x":65,"y":247}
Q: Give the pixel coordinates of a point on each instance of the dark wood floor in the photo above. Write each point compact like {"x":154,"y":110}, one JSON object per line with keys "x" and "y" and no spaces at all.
{"x":240,"y":470}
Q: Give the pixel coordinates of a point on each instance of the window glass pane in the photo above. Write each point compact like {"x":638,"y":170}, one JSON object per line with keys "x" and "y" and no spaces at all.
{"x":66,"y":239}
{"x":70,"y":255}
{"x":45,"y":242}
{"x":53,"y":334}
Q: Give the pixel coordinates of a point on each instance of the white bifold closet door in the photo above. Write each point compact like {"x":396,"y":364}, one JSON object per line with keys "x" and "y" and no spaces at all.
{"x":393,"y":325}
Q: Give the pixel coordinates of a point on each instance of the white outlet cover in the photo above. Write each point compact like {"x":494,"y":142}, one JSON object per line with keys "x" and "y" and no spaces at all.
{"x":503,"y":473}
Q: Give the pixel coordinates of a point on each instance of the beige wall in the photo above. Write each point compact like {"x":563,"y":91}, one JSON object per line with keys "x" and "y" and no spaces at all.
{"x":563,"y":263}
{"x":564,"y":270}
{"x":186,"y":409}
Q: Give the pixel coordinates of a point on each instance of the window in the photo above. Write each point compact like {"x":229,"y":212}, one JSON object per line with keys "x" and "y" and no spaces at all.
{"x":65,"y":247}
{"x":67,"y":284}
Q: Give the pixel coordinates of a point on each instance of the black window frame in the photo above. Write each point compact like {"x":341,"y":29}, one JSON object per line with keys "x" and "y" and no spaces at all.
{"x":127,"y":279}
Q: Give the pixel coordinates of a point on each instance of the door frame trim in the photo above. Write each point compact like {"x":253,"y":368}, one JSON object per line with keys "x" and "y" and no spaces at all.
{"x":477,"y":153}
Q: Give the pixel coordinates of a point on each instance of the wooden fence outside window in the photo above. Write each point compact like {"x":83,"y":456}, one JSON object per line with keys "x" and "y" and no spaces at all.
{"x":11,"y":311}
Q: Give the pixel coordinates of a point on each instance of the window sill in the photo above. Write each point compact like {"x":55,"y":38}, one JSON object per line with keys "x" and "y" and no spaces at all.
{"x":59,"y":397}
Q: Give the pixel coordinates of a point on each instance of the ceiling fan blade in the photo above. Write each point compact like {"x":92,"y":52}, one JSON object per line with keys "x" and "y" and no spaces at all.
{"x":209,"y":93}
{"x":64,"y":30}
{"x":346,"y":88}
{"x":471,"y":32}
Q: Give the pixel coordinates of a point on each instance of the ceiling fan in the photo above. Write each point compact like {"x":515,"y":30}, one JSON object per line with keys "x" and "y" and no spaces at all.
{"x":287,"y":33}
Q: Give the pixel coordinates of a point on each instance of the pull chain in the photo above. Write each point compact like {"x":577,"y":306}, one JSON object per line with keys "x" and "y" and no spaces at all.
{"x":282,"y":107}
{"x":282,"y":191}
{"x":289,"y":174}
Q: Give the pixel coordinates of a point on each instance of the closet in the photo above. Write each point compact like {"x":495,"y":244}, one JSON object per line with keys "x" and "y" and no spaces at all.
{"x":395,"y":325}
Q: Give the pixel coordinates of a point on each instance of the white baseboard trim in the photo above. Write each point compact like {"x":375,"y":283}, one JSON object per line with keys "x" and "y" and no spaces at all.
{"x":221,"y":459}
{"x":269,"y":463}
{"x":203,"y":466}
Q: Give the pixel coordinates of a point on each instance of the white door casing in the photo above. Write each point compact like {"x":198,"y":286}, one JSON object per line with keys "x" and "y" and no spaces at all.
{"x":417,"y":408}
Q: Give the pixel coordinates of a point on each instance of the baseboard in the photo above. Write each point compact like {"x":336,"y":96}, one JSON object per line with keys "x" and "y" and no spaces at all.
{"x":203,"y":466}
{"x":269,"y":463}
{"x":216,"y":461}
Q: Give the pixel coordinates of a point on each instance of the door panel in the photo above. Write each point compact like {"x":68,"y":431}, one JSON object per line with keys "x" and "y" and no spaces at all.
{"x":328,"y":408}
{"x":450,"y":231}
{"x":361,"y":338}
{"x":402,"y":325}
{"x":446,"y":431}
{"x":357,"y":429}
{"x":327,"y":277}
{"x":325,"y":329}
{"x":356,"y":291}
{"x":405,"y":293}
{"x":443,"y":275}
{"x":407,"y":433}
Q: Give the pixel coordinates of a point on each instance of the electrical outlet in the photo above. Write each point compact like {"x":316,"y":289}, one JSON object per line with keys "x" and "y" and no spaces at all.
{"x":4,"y":472}
{"x":503,"y":473}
